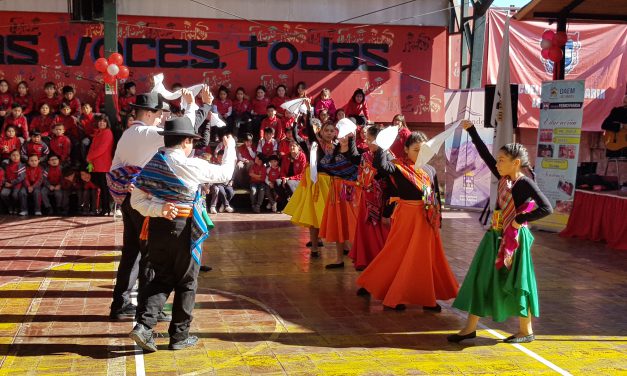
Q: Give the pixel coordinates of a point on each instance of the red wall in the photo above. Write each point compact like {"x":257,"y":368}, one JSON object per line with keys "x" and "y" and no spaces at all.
{"x":40,"y":47}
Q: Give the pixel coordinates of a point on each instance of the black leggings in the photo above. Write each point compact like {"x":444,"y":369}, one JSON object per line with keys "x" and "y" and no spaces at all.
{"x":100,"y":179}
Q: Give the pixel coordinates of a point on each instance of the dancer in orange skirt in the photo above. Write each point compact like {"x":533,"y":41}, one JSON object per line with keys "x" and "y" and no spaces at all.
{"x":412,"y":267}
{"x":340,"y":213}
{"x":372,"y":229}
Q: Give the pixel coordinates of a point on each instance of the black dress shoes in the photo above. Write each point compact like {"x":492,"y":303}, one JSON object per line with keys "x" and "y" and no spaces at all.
{"x":456,"y":338}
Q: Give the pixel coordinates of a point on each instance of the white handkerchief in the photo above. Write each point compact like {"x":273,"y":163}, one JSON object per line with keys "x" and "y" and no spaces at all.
{"x":345,"y":127}
{"x":313,"y":162}
{"x":386,"y":137}
{"x":295,"y":105}
{"x":159,"y":88}
{"x":215,"y":121}
{"x":431,"y":147}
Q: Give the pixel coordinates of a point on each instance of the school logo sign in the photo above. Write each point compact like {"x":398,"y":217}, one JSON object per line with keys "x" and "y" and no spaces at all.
{"x":571,"y":54}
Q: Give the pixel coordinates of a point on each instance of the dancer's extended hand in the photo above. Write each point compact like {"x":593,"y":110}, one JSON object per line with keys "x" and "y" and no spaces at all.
{"x":169,"y":211}
{"x":205,"y":95}
{"x":187,"y":95}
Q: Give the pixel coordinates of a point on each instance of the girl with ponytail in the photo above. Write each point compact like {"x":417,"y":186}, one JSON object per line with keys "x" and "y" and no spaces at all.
{"x":501,"y":281}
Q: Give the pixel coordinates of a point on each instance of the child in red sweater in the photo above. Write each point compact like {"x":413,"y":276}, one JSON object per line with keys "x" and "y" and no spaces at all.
{"x":24,"y":99}
{"x":60,"y":144}
{"x":53,"y":178}
{"x":267,"y":145}
{"x":70,"y":187}
{"x":87,"y":126}
{"x":357,"y":108}
{"x":35,"y":147}
{"x":272,"y":121}
{"x":70,"y":98}
{"x":88,"y":194}
{"x":70,"y":122}
{"x":279,"y":99}
{"x":6,"y":99}
{"x":17,"y":120}
{"x":9,"y":143}
{"x":50,"y":97}
{"x":124,"y":103}
{"x":43,"y":122}
{"x":14,"y":177}
{"x":273,"y":176}
{"x":33,"y":182}
{"x":257,"y":175}
{"x":259,"y":106}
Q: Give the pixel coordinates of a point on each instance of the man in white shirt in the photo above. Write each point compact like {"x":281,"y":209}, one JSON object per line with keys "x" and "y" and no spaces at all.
{"x":167,"y":193}
{"x":136,"y":147}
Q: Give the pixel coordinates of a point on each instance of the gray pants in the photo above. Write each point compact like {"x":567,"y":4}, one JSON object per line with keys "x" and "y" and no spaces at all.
{"x":58,"y":198}
{"x":257,"y":193}
{"x":10,"y":197}
{"x":35,"y":194}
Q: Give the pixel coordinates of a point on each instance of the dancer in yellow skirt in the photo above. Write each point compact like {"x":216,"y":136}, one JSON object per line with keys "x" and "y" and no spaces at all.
{"x":307,"y":204}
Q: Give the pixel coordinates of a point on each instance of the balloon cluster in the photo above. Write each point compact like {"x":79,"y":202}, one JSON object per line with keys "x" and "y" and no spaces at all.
{"x":552,"y":44}
{"x":112,"y":68}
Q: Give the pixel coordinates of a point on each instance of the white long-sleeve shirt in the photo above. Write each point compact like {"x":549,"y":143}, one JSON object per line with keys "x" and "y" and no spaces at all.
{"x":192,"y":171}
{"x":140,"y":142}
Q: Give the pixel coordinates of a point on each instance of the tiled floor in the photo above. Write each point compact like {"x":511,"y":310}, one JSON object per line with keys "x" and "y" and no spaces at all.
{"x":266,"y":308}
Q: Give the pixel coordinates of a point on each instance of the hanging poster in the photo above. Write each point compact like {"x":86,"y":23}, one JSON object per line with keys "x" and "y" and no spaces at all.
{"x":559,"y":135}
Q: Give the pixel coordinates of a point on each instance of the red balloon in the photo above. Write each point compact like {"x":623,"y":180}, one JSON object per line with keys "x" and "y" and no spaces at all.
{"x":123,"y":73}
{"x":101,"y":64}
{"x":560,"y":38}
{"x":108,"y":79}
{"x":548,"y":35}
{"x":545,"y":53}
{"x":116,"y":58}
{"x":555,"y":54}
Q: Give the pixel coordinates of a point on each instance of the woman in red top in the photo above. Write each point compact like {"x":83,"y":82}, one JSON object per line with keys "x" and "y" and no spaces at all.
{"x":43,"y":122}
{"x":259,"y":107}
{"x":24,"y":99}
{"x":279,"y":99}
{"x":241,"y":113}
{"x":100,"y":156}
{"x":357,"y":107}
{"x":398,"y":147}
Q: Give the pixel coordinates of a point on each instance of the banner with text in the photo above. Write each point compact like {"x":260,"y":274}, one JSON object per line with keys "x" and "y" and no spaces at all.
{"x":40,"y":47}
{"x":467,"y":176}
{"x":559,"y":135}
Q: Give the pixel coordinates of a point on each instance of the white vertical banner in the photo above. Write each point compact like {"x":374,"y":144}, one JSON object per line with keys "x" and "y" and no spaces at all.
{"x":501,"y":118}
{"x":559,"y":135}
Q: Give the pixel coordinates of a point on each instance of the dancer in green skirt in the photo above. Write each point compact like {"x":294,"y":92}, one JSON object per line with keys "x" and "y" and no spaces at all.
{"x":501,"y":282}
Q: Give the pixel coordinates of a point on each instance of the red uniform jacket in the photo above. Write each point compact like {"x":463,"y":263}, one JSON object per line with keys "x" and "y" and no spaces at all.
{"x":42,"y":124}
{"x":34,"y":177}
{"x":223,"y":107}
{"x":88,"y":185}
{"x":6,"y":100}
{"x":298,"y":166}
{"x":325,"y":104}
{"x":75,"y":105}
{"x":71,"y":126}
{"x":272,"y":174}
{"x":101,"y":150}
{"x":70,"y":184}
{"x":87,"y":123}
{"x":274,"y":123}
{"x":53,"y":103}
{"x":15,"y":173}
{"x":267,"y":148}
{"x":284,"y":147}
{"x":240,"y":108}
{"x":26,"y":102}
{"x":124,"y":103}
{"x":257,"y":170}
{"x":20,"y":123}
{"x":245,"y":154}
{"x":356,"y":109}
{"x":11,"y":143}
{"x":53,"y":176}
{"x":277,"y":102}
{"x":61,"y":146}
{"x":29,"y":148}
{"x":260,"y":106}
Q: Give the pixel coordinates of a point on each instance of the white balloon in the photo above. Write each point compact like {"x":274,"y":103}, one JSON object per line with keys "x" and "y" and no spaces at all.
{"x":545,"y":44}
{"x":113,"y":69}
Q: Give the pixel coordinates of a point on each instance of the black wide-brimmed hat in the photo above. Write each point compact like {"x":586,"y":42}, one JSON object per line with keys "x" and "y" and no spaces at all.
{"x":180,"y":126}
{"x":148,"y":101}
